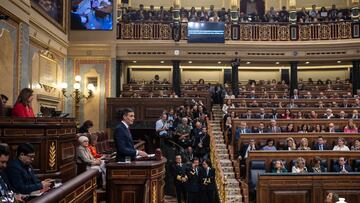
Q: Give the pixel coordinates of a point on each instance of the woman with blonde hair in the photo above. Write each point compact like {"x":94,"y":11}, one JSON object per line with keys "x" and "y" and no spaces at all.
{"x":299,"y":166}
{"x":290,"y":144}
{"x":304,"y":144}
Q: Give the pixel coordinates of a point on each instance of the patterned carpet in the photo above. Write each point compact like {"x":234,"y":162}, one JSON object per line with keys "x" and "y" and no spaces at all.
{"x":170,"y":199}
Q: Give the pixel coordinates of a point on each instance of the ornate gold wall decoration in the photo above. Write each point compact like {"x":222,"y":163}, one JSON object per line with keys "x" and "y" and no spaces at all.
{"x":154,"y":192}
{"x":248,"y":31}
{"x":146,"y":31}
{"x":52,"y":155}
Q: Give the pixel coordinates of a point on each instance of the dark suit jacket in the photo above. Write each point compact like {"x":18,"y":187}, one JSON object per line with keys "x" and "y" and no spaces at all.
{"x":265,"y":116}
{"x":204,"y":177}
{"x":263,"y":130}
{"x":238,"y":132}
{"x":178,"y":171}
{"x":316,"y":147}
{"x":193,"y":183}
{"x":124,"y":143}
{"x":22,"y":178}
{"x":242,"y":151}
{"x":337,"y":168}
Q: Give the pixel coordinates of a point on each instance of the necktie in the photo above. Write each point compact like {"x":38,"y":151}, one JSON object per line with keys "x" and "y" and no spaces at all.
{"x":207,"y":172}
{"x":274,"y":129}
{"x":321,"y":147}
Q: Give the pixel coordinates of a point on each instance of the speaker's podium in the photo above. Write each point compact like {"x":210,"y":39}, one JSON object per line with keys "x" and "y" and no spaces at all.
{"x":141,"y":181}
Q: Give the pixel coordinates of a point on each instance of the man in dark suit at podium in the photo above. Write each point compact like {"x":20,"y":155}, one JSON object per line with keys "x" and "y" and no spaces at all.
{"x":123,"y":139}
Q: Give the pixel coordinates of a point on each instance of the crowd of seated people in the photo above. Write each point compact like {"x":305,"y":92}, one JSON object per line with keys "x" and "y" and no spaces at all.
{"x":315,"y":166}
{"x":224,"y":15}
{"x":290,"y":145}
{"x":157,"y":81}
{"x":289,"y":128}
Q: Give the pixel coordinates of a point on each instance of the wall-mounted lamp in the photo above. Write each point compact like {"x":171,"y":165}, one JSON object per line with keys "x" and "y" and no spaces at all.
{"x":77,"y":95}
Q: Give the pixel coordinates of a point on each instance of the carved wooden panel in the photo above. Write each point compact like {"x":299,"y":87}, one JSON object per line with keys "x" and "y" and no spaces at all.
{"x":279,"y":196}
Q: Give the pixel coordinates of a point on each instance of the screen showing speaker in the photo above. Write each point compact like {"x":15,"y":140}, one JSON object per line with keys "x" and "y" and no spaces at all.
{"x":91,"y":14}
{"x":206,"y":32}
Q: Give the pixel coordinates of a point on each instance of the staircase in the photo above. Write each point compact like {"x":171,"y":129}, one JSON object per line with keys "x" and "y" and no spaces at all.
{"x":231,"y":184}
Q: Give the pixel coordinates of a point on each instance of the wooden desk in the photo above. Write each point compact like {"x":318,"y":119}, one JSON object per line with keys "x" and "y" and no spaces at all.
{"x":307,"y":188}
{"x":54,"y":141}
{"x":136,"y":182}
{"x":80,"y":189}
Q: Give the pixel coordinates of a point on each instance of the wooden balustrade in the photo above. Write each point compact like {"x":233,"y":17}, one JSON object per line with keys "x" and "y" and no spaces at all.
{"x":307,"y":188}
{"x":240,"y":32}
{"x":215,"y":160}
{"x":79,"y":189}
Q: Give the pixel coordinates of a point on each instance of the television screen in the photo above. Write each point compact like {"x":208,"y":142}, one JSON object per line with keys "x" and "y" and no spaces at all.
{"x":206,"y":32}
{"x":91,"y":15}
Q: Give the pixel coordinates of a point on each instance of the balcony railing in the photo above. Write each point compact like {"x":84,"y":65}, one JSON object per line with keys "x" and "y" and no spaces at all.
{"x":242,"y":31}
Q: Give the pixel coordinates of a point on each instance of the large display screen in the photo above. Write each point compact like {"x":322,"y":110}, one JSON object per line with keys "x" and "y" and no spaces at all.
{"x":206,"y":32}
{"x":91,"y":15}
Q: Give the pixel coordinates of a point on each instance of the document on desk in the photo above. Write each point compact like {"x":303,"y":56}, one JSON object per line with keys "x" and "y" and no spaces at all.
{"x":149,"y":156}
{"x":36,"y":193}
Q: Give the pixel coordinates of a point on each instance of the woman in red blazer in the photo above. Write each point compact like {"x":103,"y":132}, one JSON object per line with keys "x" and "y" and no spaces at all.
{"x":22,"y":107}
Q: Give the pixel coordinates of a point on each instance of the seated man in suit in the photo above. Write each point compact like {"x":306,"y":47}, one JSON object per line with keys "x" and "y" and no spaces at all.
{"x":248,"y":114}
{"x":21,"y":174}
{"x":261,"y":128}
{"x":320,"y":144}
{"x":123,"y":139}
{"x":262,"y":115}
{"x":244,"y":152}
{"x":241,"y":130}
{"x":342,"y":166}
{"x":7,"y":195}
{"x":273,"y":128}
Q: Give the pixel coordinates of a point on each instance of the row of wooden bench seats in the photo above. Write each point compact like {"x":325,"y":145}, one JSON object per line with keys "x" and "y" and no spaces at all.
{"x":301,"y":92}
{"x":103,"y":144}
{"x":263,"y":161}
{"x":280,"y":139}
{"x":251,"y":123}
{"x":299,"y":102}
{"x":164,"y":86}
{"x":300,"y":84}
{"x":304,"y":111}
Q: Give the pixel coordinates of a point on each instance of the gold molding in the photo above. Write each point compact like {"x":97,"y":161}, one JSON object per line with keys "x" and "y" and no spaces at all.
{"x":52,"y":155}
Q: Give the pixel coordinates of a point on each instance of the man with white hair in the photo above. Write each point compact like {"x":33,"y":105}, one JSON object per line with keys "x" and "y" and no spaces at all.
{"x":329,"y":114}
{"x":273,"y":127}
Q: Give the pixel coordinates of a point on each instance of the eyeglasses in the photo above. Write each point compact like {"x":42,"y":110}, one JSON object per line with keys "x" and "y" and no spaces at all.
{"x":31,"y":156}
